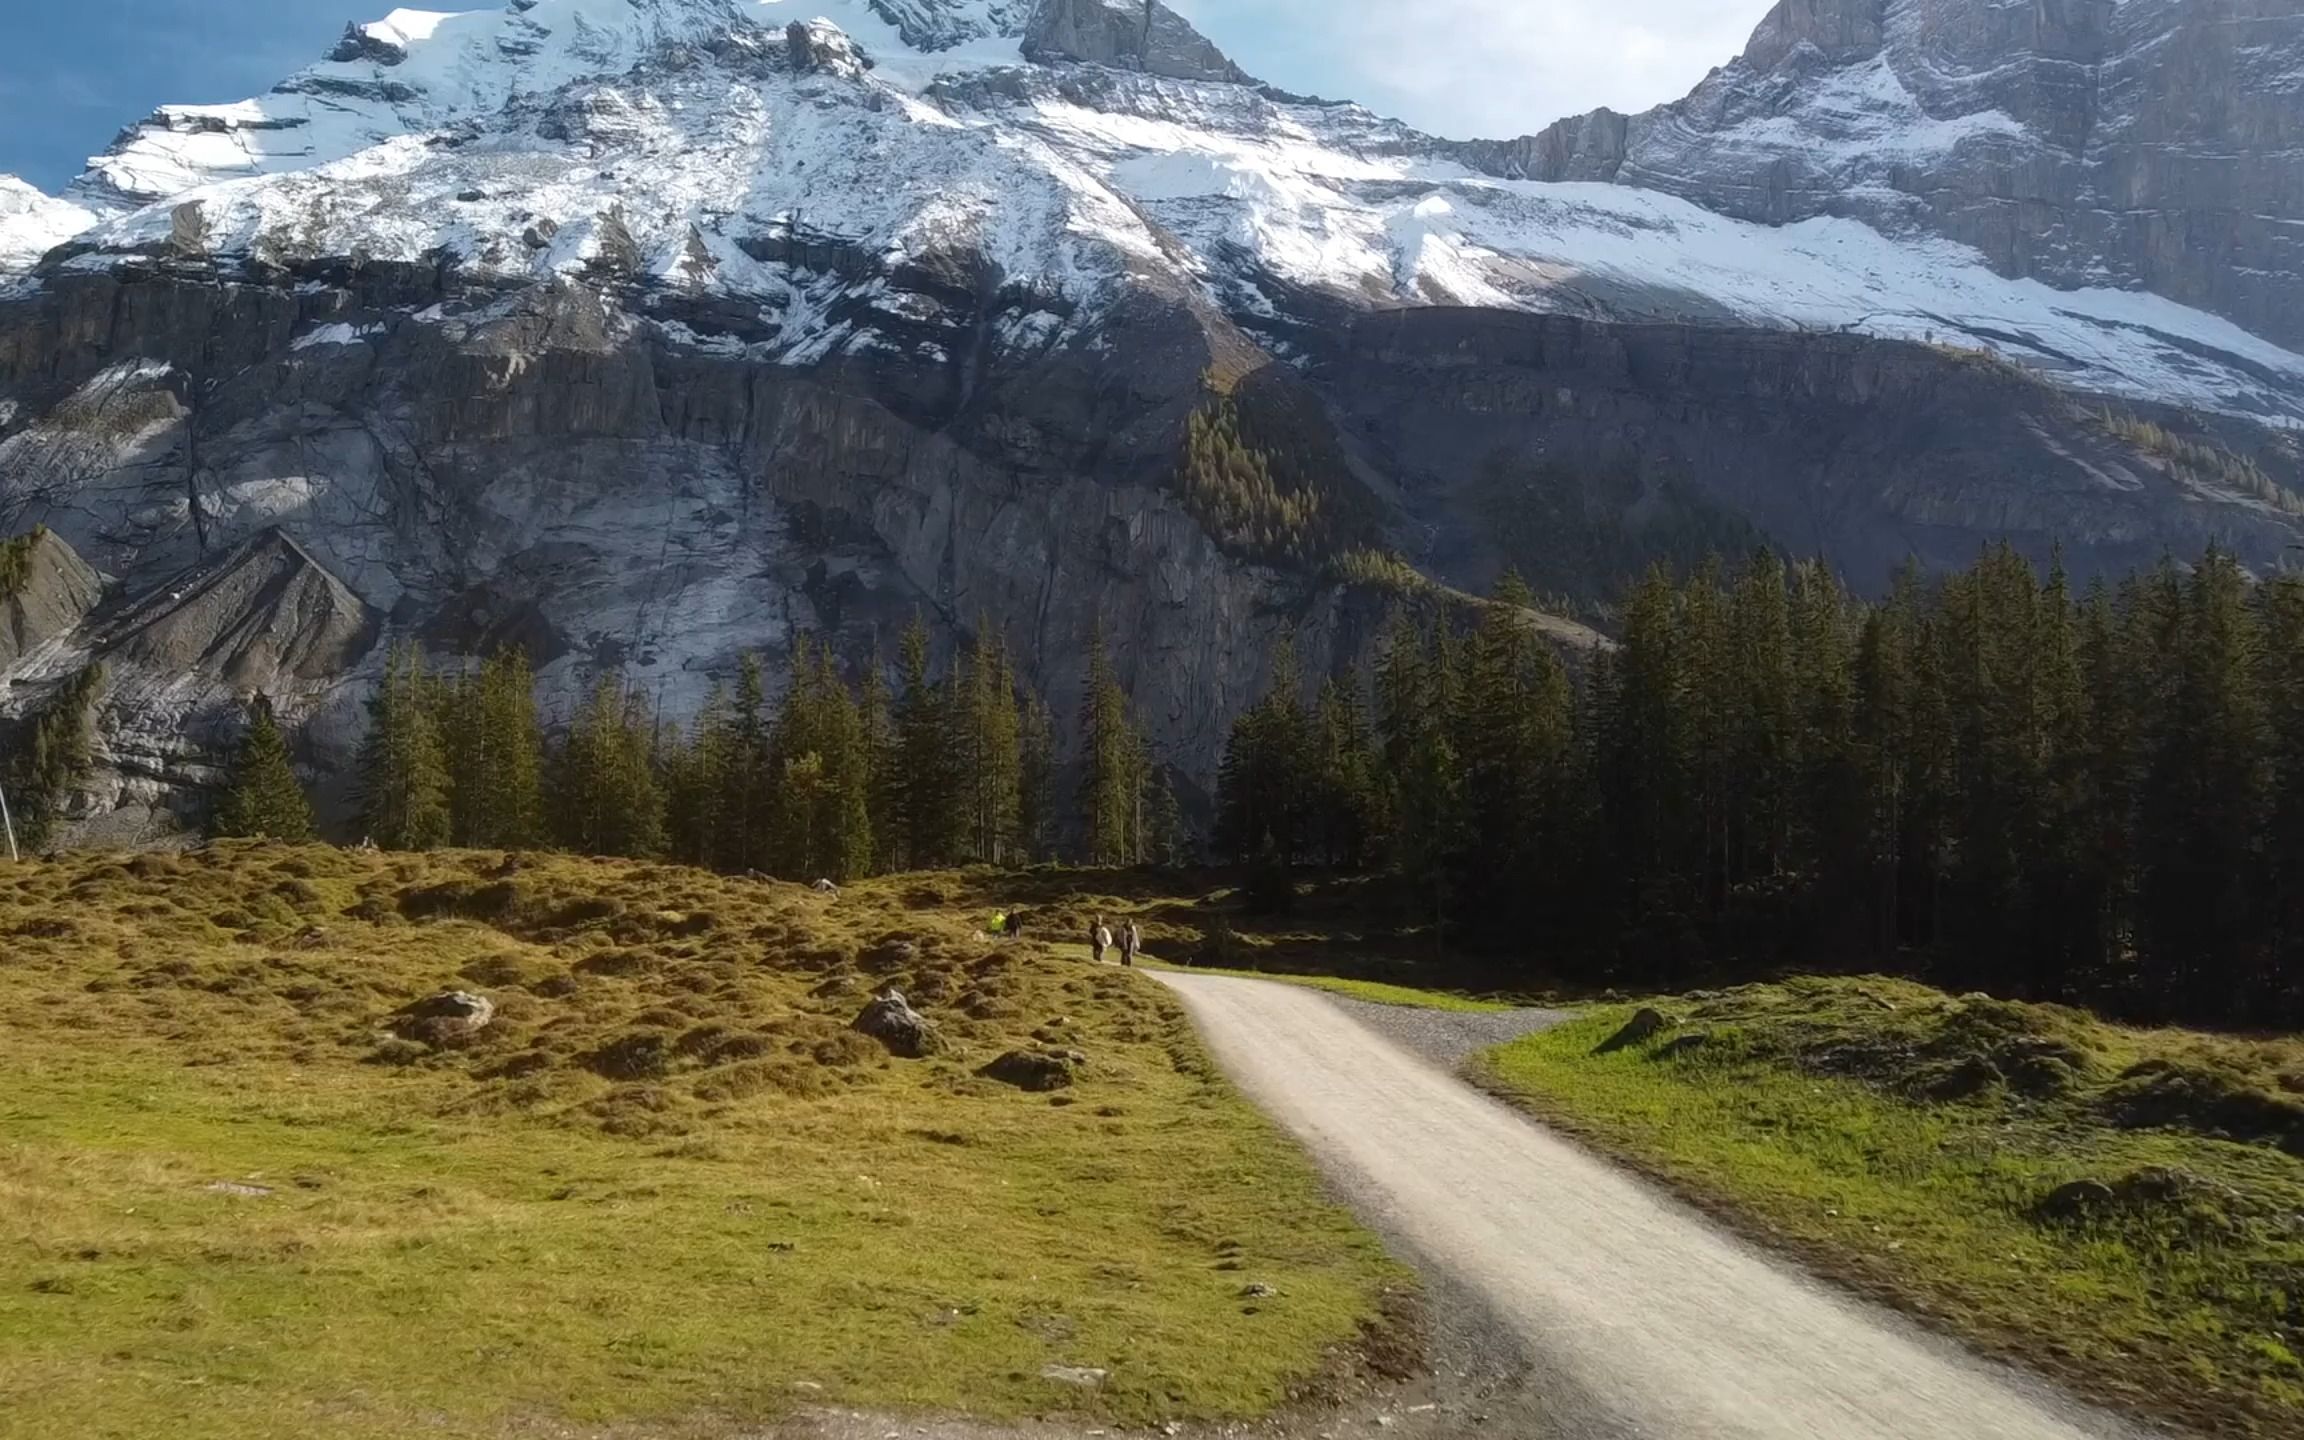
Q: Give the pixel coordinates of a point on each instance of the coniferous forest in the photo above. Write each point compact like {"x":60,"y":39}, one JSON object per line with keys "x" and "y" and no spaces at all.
{"x":1988,"y":779}
{"x":835,"y":781}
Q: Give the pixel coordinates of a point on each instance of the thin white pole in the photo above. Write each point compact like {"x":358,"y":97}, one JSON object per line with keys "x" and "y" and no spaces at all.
{"x":7,"y":823}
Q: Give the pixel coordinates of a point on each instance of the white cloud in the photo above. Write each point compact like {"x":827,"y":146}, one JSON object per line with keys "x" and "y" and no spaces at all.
{"x":1481,"y":67}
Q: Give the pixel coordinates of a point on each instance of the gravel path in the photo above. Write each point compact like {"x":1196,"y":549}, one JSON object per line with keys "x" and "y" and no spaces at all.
{"x":1628,"y":1314}
{"x":1448,"y":1038}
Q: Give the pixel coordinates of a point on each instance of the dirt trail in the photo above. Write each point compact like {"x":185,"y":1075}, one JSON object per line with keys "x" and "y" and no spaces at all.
{"x":1634,"y":1315}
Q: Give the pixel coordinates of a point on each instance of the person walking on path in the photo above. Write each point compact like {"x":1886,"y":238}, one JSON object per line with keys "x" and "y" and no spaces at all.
{"x":1131,"y":943}
{"x":1099,"y":938}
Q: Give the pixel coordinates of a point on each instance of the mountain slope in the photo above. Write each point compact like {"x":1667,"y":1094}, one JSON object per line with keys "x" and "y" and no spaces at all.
{"x":2133,"y":143}
{"x":645,"y":332}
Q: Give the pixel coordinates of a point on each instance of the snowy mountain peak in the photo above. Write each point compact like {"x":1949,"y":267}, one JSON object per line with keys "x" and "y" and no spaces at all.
{"x":33,"y":223}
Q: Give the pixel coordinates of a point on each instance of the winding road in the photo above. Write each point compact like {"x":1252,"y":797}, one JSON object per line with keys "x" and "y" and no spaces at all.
{"x":1633,"y":1315}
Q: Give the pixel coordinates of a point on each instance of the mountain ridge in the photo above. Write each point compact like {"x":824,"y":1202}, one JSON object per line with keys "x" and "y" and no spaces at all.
{"x":648,"y":334}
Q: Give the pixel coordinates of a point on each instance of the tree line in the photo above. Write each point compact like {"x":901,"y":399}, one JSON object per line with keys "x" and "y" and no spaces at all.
{"x":1986,"y":778}
{"x":835,"y":780}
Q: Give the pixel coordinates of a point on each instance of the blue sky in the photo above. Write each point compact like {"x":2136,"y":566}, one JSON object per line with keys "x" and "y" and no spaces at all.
{"x":75,"y":71}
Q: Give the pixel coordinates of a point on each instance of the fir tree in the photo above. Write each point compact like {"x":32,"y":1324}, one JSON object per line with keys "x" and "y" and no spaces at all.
{"x":495,"y":753}
{"x":931,"y":813}
{"x":1036,"y":780}
{"x":51,"y":756}
{"x":404,"y":780}
{"x":262,"y":799}
{"x":607,"y":800}
{"x":1113,"y":765}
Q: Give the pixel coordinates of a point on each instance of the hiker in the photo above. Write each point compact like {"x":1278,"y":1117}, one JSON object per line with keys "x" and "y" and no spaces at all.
{"x":1131,"y":944}
{"x":826,"y":887}
{"x":1100,"y":938}
{"x":1016,"y":922}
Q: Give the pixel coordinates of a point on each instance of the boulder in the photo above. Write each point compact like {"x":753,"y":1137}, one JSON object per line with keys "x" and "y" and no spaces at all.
{"x":891,"y":1020}
{"x":1643,"y":1026}
{"x":2076,"y":1200}
{"x":449,"y":1018}
{"x":1036,"y":1070}
{"x":1680,"y":1045}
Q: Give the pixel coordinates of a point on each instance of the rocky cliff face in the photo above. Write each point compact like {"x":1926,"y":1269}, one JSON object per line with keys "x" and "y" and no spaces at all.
{"x":2148,"y":143}
{"x":643,"y":333}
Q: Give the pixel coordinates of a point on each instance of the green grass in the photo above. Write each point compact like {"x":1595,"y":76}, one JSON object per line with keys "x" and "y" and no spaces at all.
{"x":1806,"y":1115}
{"x":499,"y":1240}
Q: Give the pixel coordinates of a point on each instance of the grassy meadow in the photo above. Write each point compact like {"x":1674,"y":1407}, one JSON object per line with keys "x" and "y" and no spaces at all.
{"x":1910,"y":1143}
{"x":666,"y":1188}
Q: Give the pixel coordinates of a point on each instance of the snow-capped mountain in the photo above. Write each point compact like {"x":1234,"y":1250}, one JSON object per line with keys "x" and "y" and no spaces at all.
{"x":682,"y":135}
{"x":2153,"y":144}
{"x":645,"y":332}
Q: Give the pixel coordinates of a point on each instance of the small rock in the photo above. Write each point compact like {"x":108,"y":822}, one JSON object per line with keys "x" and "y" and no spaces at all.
{"x":807,"y":1387}
{"x":1258,"y":1291}
{"x":891,"y":1020}
{"x":1037,"y":1070}
{"x":1075,"y":1375}
{"x":236,"y":1187}
{"x":2076,"y":1200}
{"x":1644,"y":1025}
{"x":445,"y":1019}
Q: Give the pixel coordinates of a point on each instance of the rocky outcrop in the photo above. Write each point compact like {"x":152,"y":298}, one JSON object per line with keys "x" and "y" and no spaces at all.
{"x":1127,"y":35}
{"x":904,"y":1031}
{"x":263,"y":618}
{"x":46,"y":590}
{"x":2153,"y":143}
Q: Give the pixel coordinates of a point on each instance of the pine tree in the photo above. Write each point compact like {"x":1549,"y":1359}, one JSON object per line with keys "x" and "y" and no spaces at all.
{"x":696,"y":784}
{"x":743,"y":822}
{"x":1036,"y":780}
{"x":992,"y":729}
{"x":883,"y":762}
{"x":1511,"y":737}
{"x":51,"y":755}
{"x":262,"y":799}
{"x":606,"y":795}
{"x":2198,"y":923}
{"x":1344,"y":807}
{"x":495,"y":754}
{"x":404,"y":780}
{"x":931,"y":812}
{"x":2281,"y":1002}
{"x":1266,"y":797}
{"x":1113,"y":765}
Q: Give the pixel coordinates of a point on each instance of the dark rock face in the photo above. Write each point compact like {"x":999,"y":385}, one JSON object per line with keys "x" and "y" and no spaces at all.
{"x":2155,"y":143}
{"x":1127,"y":35}
{"x":1872,"y":453}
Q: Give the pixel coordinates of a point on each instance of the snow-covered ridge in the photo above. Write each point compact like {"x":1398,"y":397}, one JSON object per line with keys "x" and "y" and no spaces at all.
{"x":32,"y":223}
{"x":679,"y":142}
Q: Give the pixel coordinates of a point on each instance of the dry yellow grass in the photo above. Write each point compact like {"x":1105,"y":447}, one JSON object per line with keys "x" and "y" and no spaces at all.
{"x":667,"y":1187}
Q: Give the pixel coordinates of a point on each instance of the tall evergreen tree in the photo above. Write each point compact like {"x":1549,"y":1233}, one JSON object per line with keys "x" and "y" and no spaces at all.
{"x":1036,"y":802}
{"x":1113,"y":765}
{"x":262,"y":798}
{"x":52,"y":753}
{"x":2200,"y":817}
{"x":992,"y":729}
{"x":607,"y":799}
{"x":495,"y":753}
{"x":931,"y":814}
{"x":404,"y":780}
